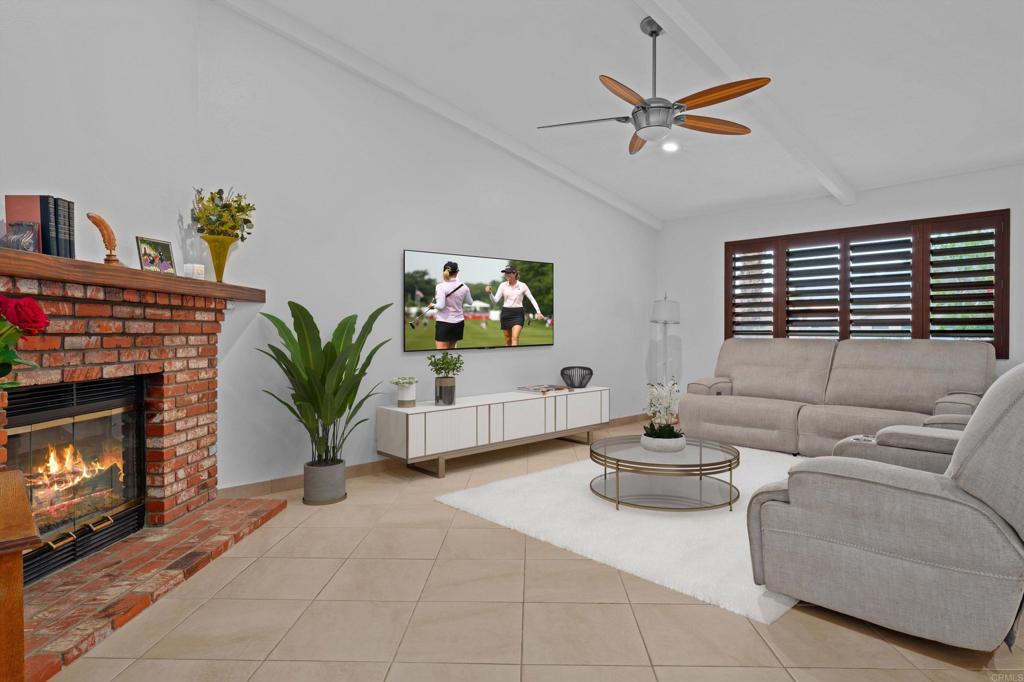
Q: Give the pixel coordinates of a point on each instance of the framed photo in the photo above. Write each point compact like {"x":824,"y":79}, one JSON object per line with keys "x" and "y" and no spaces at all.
{"x":22,"y":236}
{"x":155,"y":255}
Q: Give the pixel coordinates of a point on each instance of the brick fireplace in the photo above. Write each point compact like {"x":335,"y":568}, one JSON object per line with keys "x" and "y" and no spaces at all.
{"x":114,"y":327}
{"x":99,"y":332}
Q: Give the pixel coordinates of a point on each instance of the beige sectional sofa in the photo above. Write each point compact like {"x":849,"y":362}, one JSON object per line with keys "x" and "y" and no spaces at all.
{"x":805,"y":395}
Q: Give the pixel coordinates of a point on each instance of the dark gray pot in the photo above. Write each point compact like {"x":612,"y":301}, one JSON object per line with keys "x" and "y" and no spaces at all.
{"x":444,"y":391}
{"x":323,"y":484}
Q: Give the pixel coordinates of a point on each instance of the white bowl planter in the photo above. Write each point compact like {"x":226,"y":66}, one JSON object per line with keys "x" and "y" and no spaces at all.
{"x":406,"y":395}
{"x":663,"y":444}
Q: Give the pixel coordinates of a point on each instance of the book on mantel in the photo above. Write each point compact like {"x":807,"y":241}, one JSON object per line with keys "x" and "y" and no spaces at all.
{"x":55,"y":217}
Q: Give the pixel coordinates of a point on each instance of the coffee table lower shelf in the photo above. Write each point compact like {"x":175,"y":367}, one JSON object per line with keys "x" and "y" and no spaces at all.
{"x":665,"y":493}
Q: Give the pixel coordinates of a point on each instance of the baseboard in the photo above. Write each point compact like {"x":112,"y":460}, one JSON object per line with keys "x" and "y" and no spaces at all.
{"x":276,"y":485}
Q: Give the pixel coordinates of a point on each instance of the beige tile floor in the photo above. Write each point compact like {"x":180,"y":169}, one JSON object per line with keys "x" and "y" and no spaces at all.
{"x":390,"y":585}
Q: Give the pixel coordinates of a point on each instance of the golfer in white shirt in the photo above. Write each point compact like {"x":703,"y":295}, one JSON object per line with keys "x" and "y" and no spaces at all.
{"x":513,"y":316}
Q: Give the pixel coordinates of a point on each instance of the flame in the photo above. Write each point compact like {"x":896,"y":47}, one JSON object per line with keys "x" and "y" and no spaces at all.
{"x":68,"y":469}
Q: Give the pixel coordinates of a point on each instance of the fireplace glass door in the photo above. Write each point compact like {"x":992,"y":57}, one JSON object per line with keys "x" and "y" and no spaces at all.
{"x":78,"y":469}
{"x":81,"y":450}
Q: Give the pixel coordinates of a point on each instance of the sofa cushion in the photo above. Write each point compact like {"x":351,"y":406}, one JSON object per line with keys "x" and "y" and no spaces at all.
{"x":907,"y":375}
{"x":822,"y":426}
{"x":786,"y":369}
{"x":741,"y":420}
{"x":989,"y":460}
{"x":957,"y":422}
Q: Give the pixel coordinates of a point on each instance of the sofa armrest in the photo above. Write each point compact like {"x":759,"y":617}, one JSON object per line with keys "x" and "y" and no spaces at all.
{"x":770,"y":492}
{"x":894,"y":511}
{"x":710,"y":386}
{"x":919,"y":438}
{"x":955,"y":422}
{"x":957,"y":403}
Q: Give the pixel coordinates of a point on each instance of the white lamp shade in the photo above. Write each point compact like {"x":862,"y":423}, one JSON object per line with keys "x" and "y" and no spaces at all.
{"x":665,"y":311}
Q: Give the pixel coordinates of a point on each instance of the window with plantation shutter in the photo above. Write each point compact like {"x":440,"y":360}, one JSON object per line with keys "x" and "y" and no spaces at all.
{"x":881,"y":288}
{"x":936,"y":278}
{"x":752,"y":291}
{"x":962,"y":285}
{"x":812,"y":291}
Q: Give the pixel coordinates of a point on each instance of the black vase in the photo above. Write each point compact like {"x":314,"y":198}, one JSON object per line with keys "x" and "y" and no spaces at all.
{"x":444,"y":391}
{"x":577,"y":377}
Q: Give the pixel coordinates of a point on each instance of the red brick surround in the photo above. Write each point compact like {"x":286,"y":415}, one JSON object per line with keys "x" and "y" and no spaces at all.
{"x":103,"y":332}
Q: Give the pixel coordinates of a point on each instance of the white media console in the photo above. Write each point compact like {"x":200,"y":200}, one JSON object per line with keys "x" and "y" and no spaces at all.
{"x":487,"y":422}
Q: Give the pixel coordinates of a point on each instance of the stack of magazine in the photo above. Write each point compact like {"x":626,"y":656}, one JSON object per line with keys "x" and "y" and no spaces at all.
{"x":544,"y":389}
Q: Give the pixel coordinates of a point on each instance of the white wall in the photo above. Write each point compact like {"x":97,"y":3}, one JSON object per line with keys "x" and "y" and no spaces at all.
{"x":125,"y":105}
{"x":691,"y":252}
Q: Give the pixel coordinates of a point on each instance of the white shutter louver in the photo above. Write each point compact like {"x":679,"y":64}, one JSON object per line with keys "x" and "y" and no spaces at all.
{"x":753,"y":289}
{"x":812,"y":291}
{"x":881,"y":287}
{"x":962,"y":280}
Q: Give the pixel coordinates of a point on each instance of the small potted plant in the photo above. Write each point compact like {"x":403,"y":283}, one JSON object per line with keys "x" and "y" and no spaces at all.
{"x":406,"y":391}
{"x":445,"y":366}
{"x":323,"y":382}
{"x":661,"y":435}
{"x":221,"y":218}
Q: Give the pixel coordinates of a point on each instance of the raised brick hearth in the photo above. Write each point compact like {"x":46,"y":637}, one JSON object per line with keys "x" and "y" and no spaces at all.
{"x":105,"y":332}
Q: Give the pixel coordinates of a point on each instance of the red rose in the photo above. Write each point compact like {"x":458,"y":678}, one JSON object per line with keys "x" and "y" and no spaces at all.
{"x":25,"y":314}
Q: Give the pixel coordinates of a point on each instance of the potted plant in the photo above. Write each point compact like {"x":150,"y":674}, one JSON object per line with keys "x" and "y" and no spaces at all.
{"x":324,"y":382}
{"x":221,"y":218}
{"x":406,"y":391}
{"x":661,"y":435}
{"x":446,"y":367}
{"x":21,"y":317}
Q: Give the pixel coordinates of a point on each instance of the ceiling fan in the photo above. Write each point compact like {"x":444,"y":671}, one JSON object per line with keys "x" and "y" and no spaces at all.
{"x":653,"y":117}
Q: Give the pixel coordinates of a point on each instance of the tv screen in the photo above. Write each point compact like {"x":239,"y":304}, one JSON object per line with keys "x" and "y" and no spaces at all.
{"x":453,"y":301}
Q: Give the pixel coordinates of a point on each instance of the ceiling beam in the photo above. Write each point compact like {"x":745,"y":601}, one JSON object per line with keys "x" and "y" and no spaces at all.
{"x":312,"y":39}
{"x":684,"y":31}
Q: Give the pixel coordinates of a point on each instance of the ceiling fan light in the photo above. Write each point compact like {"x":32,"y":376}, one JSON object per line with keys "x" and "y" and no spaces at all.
{"x":653,"y":133}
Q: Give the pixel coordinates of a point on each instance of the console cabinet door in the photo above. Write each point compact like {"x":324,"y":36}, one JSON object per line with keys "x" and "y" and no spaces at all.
{"x":449,"y":430}
{"x":524,"y":418}
{"x":583,"y":409}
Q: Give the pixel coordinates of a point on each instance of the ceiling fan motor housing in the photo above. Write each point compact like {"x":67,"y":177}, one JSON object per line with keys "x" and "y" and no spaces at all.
{"x":653,"y":120}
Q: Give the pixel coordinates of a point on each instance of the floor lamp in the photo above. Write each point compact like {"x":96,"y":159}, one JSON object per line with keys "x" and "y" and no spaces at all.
{"x":665,"y":312}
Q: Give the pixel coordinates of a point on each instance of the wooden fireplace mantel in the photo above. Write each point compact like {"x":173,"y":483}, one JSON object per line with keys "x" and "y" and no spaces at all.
{"x":39,"y":266}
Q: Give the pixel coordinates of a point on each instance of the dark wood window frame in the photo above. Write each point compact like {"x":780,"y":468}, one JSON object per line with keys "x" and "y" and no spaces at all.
{"x":922,"y":295}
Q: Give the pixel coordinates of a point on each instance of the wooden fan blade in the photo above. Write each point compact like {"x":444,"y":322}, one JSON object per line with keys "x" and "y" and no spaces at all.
{"x":706,"y":124}
{"x":721,"y":93}
{"x":621,"y":91}
{"x":636,"y":143}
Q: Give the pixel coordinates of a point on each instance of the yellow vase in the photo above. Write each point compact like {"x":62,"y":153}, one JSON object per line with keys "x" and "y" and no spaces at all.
{"x":219,"y":247}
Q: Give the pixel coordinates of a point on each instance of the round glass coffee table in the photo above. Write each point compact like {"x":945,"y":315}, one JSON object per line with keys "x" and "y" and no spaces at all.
{"x":664,"y":481}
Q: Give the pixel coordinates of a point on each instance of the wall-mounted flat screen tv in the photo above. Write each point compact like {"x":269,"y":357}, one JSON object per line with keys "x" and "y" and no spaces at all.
{"x":453,"y":301}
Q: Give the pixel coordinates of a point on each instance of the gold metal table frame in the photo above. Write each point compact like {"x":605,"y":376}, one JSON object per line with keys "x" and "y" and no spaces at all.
{"x":696,"y":467}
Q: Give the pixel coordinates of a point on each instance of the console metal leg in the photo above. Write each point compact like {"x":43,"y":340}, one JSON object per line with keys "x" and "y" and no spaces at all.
{"x":436,"y":473}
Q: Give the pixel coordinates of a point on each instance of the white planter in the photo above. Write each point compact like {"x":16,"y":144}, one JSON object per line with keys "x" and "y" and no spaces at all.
{"x":663,"y":444}
{"x":406,"y":395}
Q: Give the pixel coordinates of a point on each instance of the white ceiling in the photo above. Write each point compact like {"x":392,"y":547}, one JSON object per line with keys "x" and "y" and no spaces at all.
{"x":873,"y":92}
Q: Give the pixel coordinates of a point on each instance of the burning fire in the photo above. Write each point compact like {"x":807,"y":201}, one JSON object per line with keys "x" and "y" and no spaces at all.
{"x":69,"y":468}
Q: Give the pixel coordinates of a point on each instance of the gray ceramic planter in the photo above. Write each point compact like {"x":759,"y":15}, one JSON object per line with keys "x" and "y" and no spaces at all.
{"x":323,"y":484}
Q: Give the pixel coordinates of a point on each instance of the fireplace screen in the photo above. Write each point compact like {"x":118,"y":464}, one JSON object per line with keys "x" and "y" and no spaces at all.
{"x":80,"y":449}
{"x":77,"y":468}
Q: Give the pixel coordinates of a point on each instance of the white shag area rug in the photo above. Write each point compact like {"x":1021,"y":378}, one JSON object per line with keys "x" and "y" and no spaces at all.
{"x":704,"y":554}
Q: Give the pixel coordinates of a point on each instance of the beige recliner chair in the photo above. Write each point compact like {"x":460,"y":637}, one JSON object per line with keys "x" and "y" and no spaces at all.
{"x":933,"y":555}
